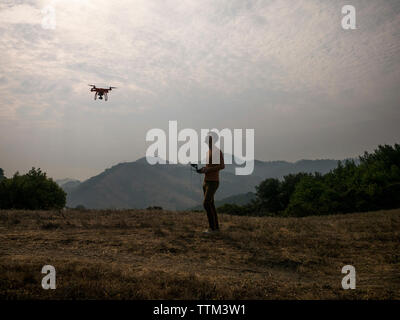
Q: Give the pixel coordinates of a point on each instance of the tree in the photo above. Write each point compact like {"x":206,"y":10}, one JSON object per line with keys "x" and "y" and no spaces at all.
{"x":288,"y":186}
{"x":273,"y":196}
{"x":268,"y":195}
{"x":32,"y":191}
{"x":374,"y":184}
{"x":307,"y":198}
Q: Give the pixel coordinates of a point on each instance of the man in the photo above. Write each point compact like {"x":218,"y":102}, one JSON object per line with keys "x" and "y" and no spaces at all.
{"x":211,"y":180}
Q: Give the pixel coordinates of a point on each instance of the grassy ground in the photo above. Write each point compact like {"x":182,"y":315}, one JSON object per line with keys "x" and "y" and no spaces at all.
{"x":164,"y":255}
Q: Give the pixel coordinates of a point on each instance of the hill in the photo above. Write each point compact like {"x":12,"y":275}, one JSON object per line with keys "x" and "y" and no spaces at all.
{"x":139,"y":185}
{"x":164,"y":255}
{"x":68,"y":184}
{"x":175,"y":187}
{"x":62,"y":182}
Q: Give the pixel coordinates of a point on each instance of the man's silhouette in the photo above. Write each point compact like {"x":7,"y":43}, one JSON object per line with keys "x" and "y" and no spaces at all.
{"x":215,"y":163}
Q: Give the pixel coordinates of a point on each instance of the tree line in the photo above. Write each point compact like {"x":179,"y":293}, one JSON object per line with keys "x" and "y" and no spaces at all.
{"x":373,"y":183}
{"x":31,"y":191}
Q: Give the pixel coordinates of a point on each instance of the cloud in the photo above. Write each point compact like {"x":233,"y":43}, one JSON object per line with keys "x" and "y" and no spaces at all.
{"x":20,"y":14}
{"x":250,"y":63}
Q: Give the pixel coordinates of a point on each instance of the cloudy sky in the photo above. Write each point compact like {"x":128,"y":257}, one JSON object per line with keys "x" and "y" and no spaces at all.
{"x":285,"y":68}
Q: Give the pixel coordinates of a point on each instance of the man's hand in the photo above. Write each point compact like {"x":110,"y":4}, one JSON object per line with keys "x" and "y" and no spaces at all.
{"x":203,"y":170}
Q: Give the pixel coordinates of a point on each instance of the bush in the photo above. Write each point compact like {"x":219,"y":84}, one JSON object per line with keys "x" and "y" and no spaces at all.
{"x":234,"y":209}
{"x":273,"y":195}
{"x":373,"y":184}
{"x":32,"y":191}
{"x":154,"y":208}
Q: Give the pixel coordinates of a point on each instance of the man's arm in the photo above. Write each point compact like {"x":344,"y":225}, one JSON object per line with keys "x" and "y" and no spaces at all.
{"x":218,"y":167}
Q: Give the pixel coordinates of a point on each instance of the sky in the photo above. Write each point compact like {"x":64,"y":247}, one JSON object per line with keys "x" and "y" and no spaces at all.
{"x":287,"y":69}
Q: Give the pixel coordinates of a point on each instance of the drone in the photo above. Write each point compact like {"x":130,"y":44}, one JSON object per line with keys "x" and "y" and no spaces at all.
{"x":100,"y":92}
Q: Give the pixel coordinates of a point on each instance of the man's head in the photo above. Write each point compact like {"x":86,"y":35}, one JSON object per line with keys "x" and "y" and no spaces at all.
{"x":211,"y":139}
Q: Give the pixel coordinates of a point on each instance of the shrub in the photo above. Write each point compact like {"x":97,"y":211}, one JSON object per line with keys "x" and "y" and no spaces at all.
{"x":32,"y":191}
{"x":373,"y":184}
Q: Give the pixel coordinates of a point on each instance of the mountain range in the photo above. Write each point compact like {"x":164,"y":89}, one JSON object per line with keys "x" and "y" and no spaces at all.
{"x":173,"y":186}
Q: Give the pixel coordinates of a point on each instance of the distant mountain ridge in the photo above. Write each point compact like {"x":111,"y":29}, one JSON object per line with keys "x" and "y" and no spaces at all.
{"x":62,"y":182}
{"x":175,"y":187}
{"x":68,"y":184}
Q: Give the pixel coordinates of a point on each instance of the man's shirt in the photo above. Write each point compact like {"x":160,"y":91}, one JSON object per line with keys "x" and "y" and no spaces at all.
{"x":214,"y":175}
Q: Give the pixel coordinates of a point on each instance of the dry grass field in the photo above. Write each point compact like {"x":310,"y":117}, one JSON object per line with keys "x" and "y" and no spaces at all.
{"x":164,"y":255}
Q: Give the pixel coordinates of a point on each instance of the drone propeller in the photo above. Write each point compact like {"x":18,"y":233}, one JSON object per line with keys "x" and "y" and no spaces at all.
{"x":113,"y":88}
{"x":92,"y":85}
